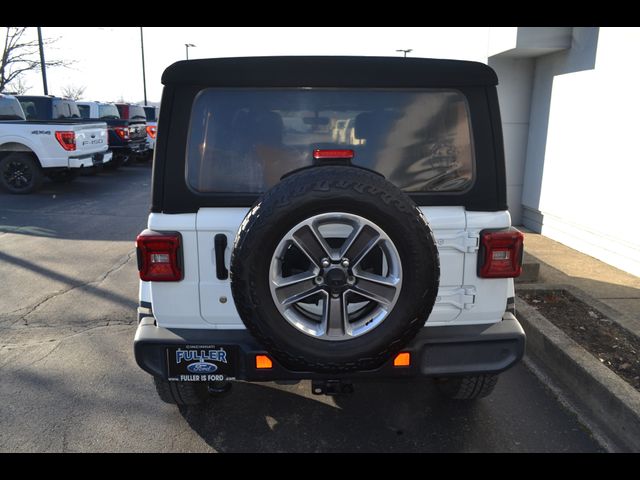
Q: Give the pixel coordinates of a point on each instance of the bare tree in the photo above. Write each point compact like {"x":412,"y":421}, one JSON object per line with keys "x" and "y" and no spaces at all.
{"x":73,"y":92}
{"x":20,"y":55}
{"x":19,"y":86}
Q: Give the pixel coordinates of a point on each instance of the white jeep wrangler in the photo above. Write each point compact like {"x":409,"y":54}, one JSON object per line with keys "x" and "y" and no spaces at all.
{"x":331,"y":219}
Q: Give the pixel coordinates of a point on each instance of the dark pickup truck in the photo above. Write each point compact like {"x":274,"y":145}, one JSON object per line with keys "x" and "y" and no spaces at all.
{"x":137,"y":118}
{"x":127,"y":134}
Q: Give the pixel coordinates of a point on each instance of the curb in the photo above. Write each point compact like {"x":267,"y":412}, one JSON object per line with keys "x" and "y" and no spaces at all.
{"x":611,"y":403}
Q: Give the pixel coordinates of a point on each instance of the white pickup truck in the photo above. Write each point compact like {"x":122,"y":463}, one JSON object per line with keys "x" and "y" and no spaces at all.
{"x":33,"y":149}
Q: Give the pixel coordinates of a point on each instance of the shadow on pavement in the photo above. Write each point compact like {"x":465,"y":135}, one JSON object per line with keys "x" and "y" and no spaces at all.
{"x":67,"y":280}
{"x":107,"y":206}
{"x":393,"y":417}
{"x":389,"y":416}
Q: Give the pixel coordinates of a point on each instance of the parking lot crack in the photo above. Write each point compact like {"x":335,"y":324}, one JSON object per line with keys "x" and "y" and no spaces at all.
{"x":62,"y":337}
{"x":31,"y":309}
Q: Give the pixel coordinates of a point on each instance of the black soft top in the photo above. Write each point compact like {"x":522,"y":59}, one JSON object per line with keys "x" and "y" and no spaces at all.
{"x":324,"y":71}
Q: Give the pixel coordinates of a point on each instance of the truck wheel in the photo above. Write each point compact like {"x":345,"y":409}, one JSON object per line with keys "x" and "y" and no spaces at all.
{"x":63,"y":176}
{"x":467,"y":387}
{"x":181,"y":393}
{"x":116,"y":162}
{"x":20,"y":173}
{"x":334,"y":270}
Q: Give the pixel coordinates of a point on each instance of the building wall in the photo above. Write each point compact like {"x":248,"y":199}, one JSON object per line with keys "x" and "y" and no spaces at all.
{"x":580,"y":57}
{"x":582,"y":173}
{"x":514,"y":94}
{"x":570,"y":107}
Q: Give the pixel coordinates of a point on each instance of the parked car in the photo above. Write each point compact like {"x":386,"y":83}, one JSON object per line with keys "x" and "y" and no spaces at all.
{"x":152,"y":126}
{"x":125,"y":138}
{"x":51,"y":141}
{"x":137,"y":118}
{"x":273,"y":253}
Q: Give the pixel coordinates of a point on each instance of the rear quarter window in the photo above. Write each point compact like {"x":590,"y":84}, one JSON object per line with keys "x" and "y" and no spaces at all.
{"x":36,"y":108}
{"x":245,"y":140}
{"x":10,"y":109}
{"x":151,"y":114}
{"x":108,"y":112}
{"x":137,"y":113}
{"x":84,"y":111}
{"x":65,"y":109}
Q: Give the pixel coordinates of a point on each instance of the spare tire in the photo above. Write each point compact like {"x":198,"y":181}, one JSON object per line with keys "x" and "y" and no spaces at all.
{"x":334,"y":269}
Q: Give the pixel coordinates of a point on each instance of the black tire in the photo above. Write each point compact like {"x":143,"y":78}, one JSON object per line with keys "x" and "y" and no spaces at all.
{"x":326,"y":189}
{"x":20,"y":173}
{"x":92,"y":171}
{"x":181,"y":393}
{"x":116,"y":162}
{"x":63,"y":176}
{"x":468,"y":387}
{"x":146,"y":157}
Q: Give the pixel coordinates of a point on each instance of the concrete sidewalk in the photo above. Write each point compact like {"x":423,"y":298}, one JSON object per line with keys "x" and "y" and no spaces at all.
{"x":561,"y":265}
{"x":603,"y":400}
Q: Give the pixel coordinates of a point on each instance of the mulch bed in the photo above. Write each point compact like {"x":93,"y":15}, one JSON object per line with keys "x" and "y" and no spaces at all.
{"x":615,"y":347}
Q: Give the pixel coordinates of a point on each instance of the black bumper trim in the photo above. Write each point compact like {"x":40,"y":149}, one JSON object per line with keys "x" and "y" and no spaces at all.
{"x":131,"y":148}
{"x":435,"y":351}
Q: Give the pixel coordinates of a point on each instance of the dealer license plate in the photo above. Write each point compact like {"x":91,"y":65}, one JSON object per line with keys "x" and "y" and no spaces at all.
{"x":201,"y":363}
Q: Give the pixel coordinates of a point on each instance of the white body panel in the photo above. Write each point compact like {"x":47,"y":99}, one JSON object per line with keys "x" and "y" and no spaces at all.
{"x":40,"y":139}
{"x":177,"y":304}
{"x":201,"y":300}
{"x":480,"y":300}
{"x":94,"y":108}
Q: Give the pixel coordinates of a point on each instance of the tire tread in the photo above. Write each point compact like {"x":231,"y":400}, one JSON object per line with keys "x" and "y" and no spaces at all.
{"x":469,"y":387}
{"x":319,"y":181}
{"x":180,"y":393}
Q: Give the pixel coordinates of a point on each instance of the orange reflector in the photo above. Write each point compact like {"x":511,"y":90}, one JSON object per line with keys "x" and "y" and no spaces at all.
{"x":263,"y":362}
{"x":403,"y":359}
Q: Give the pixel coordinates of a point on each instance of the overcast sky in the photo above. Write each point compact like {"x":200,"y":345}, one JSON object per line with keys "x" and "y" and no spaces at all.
{"x":108,"y":59}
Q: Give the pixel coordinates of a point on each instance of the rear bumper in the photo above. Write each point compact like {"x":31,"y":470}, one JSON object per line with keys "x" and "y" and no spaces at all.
{"x":139,"y":147}
{"x":435,"y":351}
{"x":90,"y":160}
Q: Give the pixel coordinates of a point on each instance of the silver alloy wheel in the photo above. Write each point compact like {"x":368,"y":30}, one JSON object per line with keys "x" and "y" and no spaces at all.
{"x":334,"y":298}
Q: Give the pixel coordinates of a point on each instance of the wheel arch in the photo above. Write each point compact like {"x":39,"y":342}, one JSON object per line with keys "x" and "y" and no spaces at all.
{"x":12,"y":146}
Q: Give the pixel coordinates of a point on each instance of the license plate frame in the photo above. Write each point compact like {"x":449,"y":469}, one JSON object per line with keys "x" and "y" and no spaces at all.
{"x":201,"y":363}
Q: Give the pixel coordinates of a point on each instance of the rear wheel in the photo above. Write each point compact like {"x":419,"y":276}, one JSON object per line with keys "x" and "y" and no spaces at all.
{"x":181,"y":393}
{"x":92,"y":171}
{"x":146,"y":157}
{"x":189,"y":393}
{"x":116,"y":162}
{"x":468,"y":387}
{"x":20,"y":173}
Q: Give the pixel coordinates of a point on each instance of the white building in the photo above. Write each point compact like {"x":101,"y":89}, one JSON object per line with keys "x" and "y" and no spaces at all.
{"x":570,"y":104}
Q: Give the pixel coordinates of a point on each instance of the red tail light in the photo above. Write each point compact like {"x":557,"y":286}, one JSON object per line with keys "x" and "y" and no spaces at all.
{"x":332,"y":154}
{"x":67,"y":140}
{"x":159,"y":256}
{"x":151,"y":130}
{"x":123,"y":132}
{"x":500,"y":254}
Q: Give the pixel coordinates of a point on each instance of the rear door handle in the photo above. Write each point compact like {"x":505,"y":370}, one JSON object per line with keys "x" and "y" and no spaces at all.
{"x":220,"y":245}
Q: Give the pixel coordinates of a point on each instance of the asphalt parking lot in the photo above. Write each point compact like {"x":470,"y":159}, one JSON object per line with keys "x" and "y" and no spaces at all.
{"x":68,"y":380}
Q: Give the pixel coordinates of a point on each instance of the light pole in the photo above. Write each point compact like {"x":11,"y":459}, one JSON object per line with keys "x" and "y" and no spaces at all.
{"x":405,"y":51}
{"x":43,"y":66}
{"x":187,"y":45}
{"x":144,"y":77}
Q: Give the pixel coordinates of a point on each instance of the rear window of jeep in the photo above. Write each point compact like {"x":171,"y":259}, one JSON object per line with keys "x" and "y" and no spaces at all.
{"x":245,"y":140}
